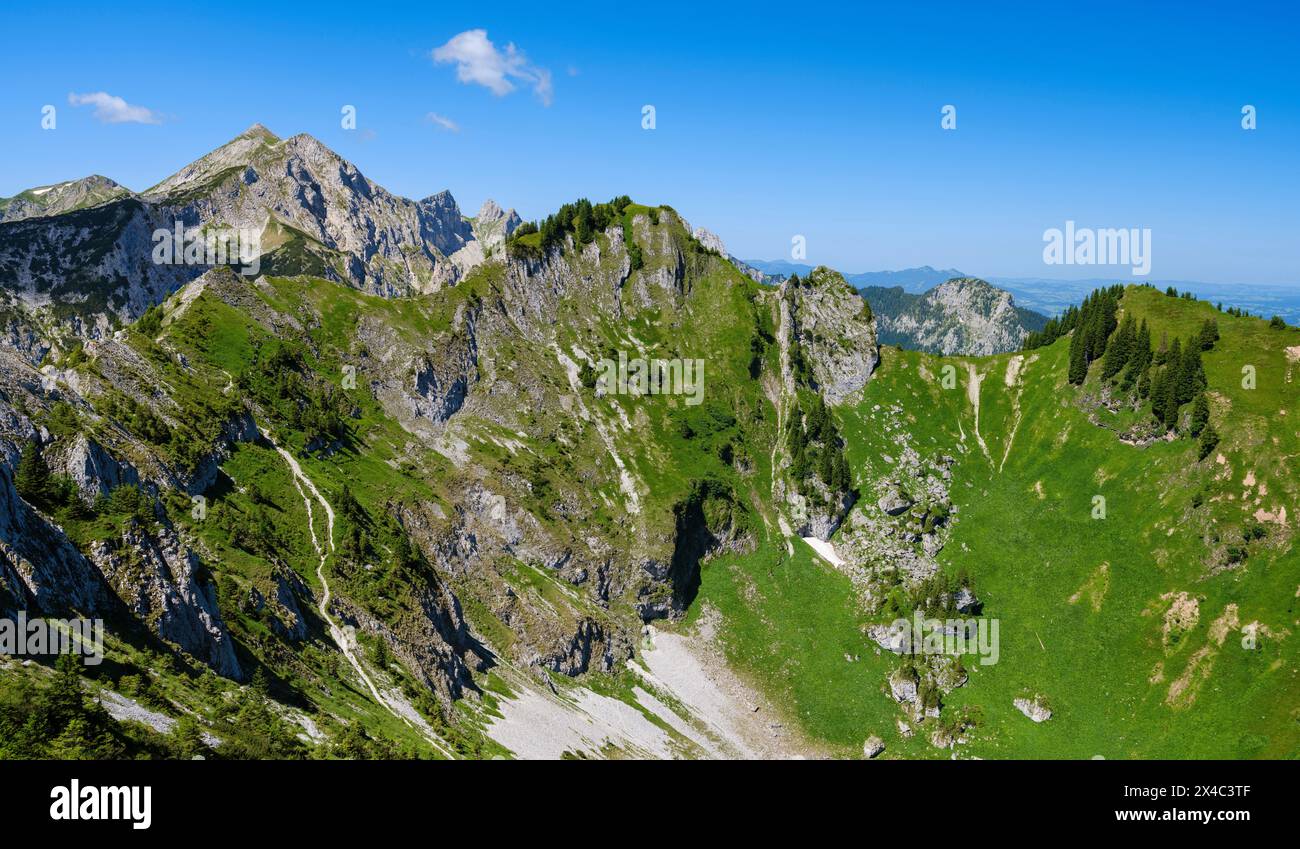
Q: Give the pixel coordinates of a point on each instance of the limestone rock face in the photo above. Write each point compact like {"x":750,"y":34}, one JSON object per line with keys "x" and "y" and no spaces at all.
{"x":710,"y":241}
{"x":964,"y":316}
{"x":903,"y":687}
{"x":513,"y":483}
{"x":96,"y":471}
{"x":834,"y":326}
{"x":493,"y":225}
{"x":40,"y":570}
{"x":873,"y":746}
{"x":155,"y":575}
{"x":894,"y":502}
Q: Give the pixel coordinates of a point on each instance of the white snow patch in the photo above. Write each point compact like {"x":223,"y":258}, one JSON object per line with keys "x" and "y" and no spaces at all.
{"x":825,"y":549}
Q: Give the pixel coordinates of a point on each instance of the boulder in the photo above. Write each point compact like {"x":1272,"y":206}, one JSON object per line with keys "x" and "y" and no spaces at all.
{"x":1034,"y":709}
{"x":895,"y":502}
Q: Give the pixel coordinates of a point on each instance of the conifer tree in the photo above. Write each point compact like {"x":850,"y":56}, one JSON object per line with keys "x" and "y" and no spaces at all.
{"x":1078,"y":358}
{"x":1143,"y":345}
{"x":1200,"y":414}
{"x":1157,"y":395}
{"x":1120,"y":349}
{"x":32,"y":480}
{"x":1170,"y":403}
{"x":1209,"y":439}
{"x":1209,"y":334}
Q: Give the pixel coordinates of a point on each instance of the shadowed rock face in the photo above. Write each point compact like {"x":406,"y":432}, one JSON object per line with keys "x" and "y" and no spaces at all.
{"x":155,"y":574}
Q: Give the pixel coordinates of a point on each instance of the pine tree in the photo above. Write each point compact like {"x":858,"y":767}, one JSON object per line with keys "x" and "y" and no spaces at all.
{"x":1189,"y":374}
{"x":1170,"y":403}
{"x":826,"y":466}
{"x":1209,"y":334}
{"x":1143,"y":345}
{"x":842,"y":479}
{"x":1156,"y":390}
{"x":1209,"y":439}
{"x":584,"y":223}
{"x":32,"y":480}
{"x":818,"y":420}
{"x":1120,"y":349}
{"x":1200,"y":414}
{"x":1078,"y":358}
{"x":186,"y":738}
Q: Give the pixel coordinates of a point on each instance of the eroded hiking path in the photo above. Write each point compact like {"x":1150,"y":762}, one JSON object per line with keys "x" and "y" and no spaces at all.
{"x":345,"y":638}
{"x":1014,"y":380}
{"x":973,"y":393}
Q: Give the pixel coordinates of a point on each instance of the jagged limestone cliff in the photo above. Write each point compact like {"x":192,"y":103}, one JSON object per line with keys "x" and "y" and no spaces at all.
{"x":964,"y":316}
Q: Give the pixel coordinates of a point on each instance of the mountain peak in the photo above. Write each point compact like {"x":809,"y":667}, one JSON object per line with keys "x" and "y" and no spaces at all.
{"x":238,"y":151}
{"x":258,"y":131}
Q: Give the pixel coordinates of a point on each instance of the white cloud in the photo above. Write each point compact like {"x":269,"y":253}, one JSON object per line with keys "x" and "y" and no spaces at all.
{"x":442,"y":121}
{"x":110,"y":109}
{"x":478,"y":61}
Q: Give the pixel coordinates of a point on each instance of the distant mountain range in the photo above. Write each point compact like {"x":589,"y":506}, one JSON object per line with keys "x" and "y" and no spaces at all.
{"x":1051,"y":296}
{"x":914,"y":280}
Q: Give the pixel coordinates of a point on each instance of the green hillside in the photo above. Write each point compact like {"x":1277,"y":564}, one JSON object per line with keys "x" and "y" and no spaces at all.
{"x":1130,"y":626}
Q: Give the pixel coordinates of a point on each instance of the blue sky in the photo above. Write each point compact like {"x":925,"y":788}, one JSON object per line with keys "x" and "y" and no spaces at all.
{"x":771,"y":121}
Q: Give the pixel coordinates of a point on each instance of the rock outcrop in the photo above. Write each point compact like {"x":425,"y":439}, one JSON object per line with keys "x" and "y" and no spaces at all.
{"x":1034,"y":709}
{"x":835,"y":330}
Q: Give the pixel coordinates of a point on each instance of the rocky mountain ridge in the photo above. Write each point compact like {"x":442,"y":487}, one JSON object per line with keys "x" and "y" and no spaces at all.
{"x":60,"y":198}
{"x":965,"y":316}
{"x":79,"y":269}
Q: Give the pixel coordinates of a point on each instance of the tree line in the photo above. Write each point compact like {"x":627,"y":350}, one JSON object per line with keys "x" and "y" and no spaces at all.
{"x":582,"y":219}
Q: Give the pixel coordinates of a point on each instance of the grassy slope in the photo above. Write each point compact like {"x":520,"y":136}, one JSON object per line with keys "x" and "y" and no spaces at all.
{"x":791,"y":622}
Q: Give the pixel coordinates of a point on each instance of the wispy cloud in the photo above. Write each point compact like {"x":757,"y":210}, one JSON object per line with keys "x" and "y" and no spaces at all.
{"x":443,"y":122}
{"x":110,"y":109}
{"x":478,"y":61}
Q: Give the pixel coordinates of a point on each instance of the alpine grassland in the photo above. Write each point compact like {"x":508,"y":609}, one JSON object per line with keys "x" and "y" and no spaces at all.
{"x":1145,"y":595}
